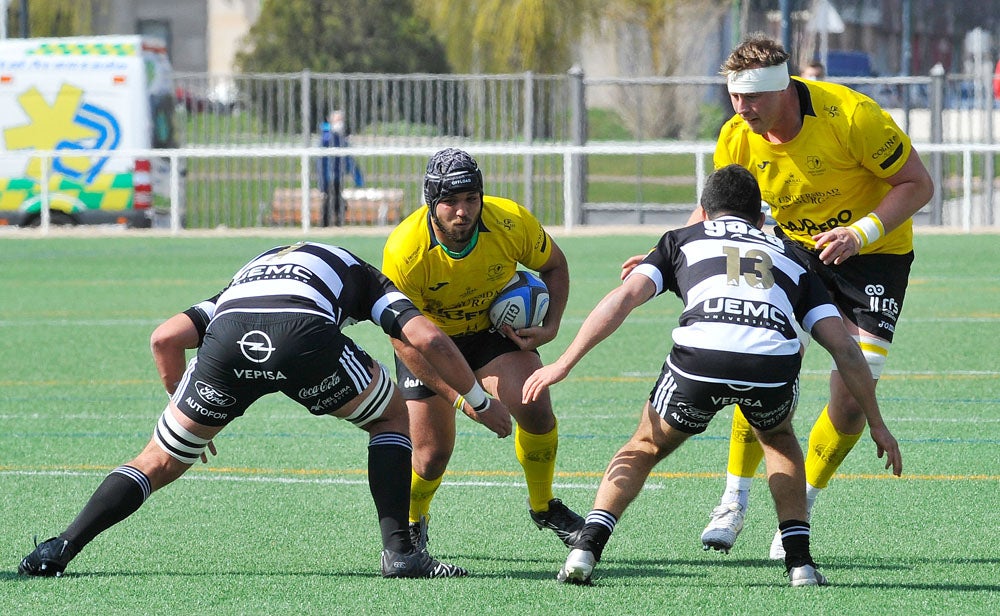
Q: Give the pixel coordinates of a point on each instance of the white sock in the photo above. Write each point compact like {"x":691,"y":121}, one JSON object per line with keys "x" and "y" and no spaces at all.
{"x":737,"y":490}
{"x":811,"y":493}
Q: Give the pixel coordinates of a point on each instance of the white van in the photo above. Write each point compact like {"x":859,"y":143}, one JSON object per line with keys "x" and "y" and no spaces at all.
{"x":107,"y":93}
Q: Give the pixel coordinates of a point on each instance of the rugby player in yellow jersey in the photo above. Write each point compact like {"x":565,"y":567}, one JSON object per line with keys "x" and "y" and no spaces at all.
{"x":451,"y":257}
{"x":842,"y":182}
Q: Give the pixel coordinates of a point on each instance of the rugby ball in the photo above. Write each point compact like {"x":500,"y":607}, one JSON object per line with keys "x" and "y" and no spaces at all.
{"x":521,"y":303}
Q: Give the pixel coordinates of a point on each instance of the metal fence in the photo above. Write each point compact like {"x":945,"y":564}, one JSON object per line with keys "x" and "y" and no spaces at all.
{"x":572,"y":149}
{"x":476,"y":111}
{"x":255,"y":187}
{"x":418,"y":109}
{"x":408,"y":109}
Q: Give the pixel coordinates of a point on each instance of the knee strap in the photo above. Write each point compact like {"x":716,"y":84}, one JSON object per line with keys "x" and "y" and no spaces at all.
{"x":176,"y":440}
{"x":876,"y":351}
{"x":372,"y":407}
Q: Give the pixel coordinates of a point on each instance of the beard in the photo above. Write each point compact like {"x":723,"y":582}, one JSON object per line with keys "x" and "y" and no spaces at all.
{"x":459,"y":236}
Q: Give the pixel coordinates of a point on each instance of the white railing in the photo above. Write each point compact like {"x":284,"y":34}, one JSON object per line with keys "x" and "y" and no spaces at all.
{"x":973,"y":210}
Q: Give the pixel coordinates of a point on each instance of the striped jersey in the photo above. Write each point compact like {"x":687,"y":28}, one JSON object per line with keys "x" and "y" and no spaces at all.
{"x":744,"y":298}
{"x":310,"y":278}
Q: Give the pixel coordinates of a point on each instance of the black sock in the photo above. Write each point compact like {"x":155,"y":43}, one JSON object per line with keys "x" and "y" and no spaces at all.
{"x":389,"y":469}
{"x":596,"y":532}
{"x":120,"y":494}
{"x":795,"y":539}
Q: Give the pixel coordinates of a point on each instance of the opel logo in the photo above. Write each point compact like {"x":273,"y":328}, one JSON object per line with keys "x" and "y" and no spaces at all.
{"x":256,"y":346}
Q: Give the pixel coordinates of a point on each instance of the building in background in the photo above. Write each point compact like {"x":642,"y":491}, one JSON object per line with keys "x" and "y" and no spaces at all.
{"x":201,"y":37}
{"x":228,"y":22}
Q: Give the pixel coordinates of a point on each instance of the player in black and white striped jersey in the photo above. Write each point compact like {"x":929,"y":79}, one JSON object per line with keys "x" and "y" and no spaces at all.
{"x":737,"y":343}
{"x":277,"y":327}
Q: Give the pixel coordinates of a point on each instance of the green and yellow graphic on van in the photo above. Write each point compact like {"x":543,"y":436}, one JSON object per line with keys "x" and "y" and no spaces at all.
{"x":108,"y":191}
{"x":84,"y":49}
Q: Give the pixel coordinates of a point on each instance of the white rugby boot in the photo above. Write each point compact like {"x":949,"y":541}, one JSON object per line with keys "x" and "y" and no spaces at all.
{"x":578,"y":568}
{"x":724,"y":527}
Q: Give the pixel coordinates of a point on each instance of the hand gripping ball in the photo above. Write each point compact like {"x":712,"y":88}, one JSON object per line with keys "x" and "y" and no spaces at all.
{"x":521,"y":303}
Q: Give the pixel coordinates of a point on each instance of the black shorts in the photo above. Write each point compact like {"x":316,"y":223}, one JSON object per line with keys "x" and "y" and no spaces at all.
{"x":247,"y":355}
{"x":478,"y":350}
{"x":689,"y":405}
{"x":868,"y":289}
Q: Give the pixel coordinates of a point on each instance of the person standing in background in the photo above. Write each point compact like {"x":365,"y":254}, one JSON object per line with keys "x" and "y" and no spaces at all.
{"x":333,"y":134}
{"x":814,"y":71}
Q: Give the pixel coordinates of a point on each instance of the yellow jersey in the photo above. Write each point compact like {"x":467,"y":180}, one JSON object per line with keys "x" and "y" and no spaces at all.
{"x":833,"y":172}
{"x":455,"y":293}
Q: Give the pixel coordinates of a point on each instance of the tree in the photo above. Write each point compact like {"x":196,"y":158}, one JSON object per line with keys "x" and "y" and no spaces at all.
{"x":337,"y":36}
{"x":662,"y":38}
{"x":511,"y":36}
{"x":53,"y":17}
{"x":504,"y":36}
{"x":646,"y":38}
{"x":340,"y":36}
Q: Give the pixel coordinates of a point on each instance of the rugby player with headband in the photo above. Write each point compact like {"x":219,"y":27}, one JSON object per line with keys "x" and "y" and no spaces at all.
{"x":842,"y":181}
{"x":764,"y":79}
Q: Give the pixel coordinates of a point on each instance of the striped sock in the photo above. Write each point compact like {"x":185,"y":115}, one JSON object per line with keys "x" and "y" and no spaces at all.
{"x":795,"y":540}
{"x":389,"y":464}
{"x":120,"y":495}
{"x":596,"y":532}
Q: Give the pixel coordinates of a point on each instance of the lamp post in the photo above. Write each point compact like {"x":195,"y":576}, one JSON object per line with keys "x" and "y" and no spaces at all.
{"x":3,"y":19}
{"x":4,"y":5}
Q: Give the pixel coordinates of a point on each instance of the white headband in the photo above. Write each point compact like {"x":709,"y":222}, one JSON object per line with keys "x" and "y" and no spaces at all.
{"x":767,"y":79}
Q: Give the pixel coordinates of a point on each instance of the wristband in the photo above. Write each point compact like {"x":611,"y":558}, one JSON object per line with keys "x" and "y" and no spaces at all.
{"x":459,"y":402}
{"x":869,"y":229}
{"x":476,"y":397}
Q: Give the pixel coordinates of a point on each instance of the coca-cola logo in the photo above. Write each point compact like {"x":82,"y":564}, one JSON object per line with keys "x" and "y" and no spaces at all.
{"x":327,"y":384}
{"x":212,"y":395}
